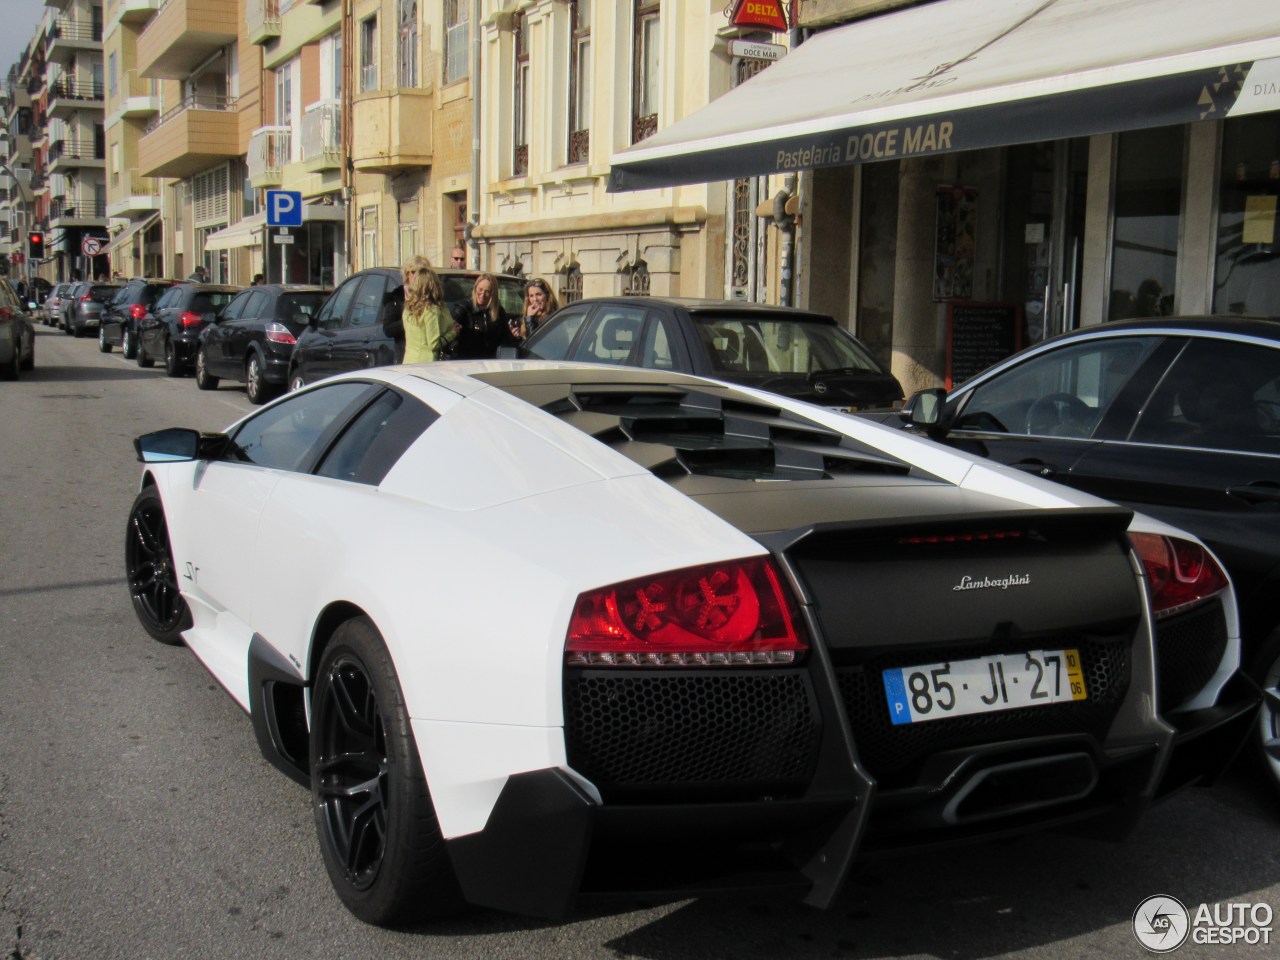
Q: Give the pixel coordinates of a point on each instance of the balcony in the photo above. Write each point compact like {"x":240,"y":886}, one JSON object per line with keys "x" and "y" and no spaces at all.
{"x":138,"y":95}
{"x":133,"y":11}
{"x":184,"y":33}
{"x":69,"y":154}
{"x":68,"y":38}
{"x":66,"y":96}
{"x":322,"y":136}
{"x":262,"y":17}
{"x":269,"y":151}
{"x":195,"y":134}
{"x":391,"y":129}
{"x":134,"y":195}
{"x":70,"y":212}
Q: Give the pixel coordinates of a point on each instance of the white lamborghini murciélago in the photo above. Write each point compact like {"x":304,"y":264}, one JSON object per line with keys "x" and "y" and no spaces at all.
{"x":553,"y":631}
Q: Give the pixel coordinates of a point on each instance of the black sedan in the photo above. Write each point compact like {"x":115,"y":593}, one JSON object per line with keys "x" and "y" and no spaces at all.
{"x":803,"y":355}
{"x":128,"y":310}
{"x":252,"y":338}
{"x":1179,"y":418}
{"x":171,"y":332}
{"x":359,"y":326}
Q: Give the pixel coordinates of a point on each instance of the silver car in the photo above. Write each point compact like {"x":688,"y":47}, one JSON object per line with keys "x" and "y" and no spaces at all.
{"x":17,"y":336}
{"x":52,"y":307}
{"x":82,"y":308}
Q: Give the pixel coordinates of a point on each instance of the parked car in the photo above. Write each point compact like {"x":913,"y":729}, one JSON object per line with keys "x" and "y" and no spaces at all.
{"x":252,"y":338}
{"x":170,"y":331}
{"x":51,"y":314}
{"x":131,"y":306}
{"x":795,"y":635}
{"x":17,"y":334}
{"x":359,"y":326}
{"x":795,"y":353}
{"x":1179,"y":418}
{"x":82,"y":307}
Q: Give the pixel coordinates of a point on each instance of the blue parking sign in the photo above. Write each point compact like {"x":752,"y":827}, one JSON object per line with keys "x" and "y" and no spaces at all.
{"x":284,"y":208}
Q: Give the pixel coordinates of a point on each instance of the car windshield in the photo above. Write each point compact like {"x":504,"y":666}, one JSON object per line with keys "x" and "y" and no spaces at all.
{"x":299,"y":307}
{"x":750,"y":344}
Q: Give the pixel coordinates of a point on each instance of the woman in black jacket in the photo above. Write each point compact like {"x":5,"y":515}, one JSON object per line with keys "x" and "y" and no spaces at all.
{"x":481,"y":321}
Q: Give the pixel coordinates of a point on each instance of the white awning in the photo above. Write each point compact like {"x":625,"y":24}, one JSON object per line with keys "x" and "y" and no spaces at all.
{"x":128,"y":233}
{"x":248,"y":232}
{"x":968,"y":74}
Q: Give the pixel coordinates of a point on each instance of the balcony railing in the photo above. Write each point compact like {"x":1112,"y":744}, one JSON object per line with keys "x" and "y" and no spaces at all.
{"x":322,"y":134}
{"x":195,"y":101}
{"x":73,"y":209}
{"x":68,"y":28}
{"x":269,"y":150}
{"x":66,"y":88}
{"x":76,"y":150}
{"x":262,"y":17}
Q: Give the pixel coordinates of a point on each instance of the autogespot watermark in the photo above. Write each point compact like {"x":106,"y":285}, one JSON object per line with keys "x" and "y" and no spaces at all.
{"x":1162,"y":924}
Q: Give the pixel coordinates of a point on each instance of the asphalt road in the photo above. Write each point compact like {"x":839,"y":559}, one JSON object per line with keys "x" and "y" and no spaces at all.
{"x":138,"y":820}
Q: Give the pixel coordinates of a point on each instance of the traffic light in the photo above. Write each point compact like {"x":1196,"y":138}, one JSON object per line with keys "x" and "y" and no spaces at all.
{"x":35,"y":245}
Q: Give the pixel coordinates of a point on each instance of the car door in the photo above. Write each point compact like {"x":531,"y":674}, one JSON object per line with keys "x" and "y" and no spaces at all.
{"x":240,"y":331}
{"x":556,"y":337}
{"x":313,"y":354}
{"x":355,"y":347}
{"x":215,"y":336}
{"x":1044,"y":413}
{"x":112,"y":322}
{"x":151,"y":326}
{"x":1204,"y":455}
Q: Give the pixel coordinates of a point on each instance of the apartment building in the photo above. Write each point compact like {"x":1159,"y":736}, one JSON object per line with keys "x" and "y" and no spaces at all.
{"x":136,"y":246}
{"x":299,"y":147}
{"x":209,"y":74}
{"x":72,"y":102}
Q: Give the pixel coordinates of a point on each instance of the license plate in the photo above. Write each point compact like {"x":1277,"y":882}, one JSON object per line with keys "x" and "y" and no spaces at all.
{"x":934,"y":691}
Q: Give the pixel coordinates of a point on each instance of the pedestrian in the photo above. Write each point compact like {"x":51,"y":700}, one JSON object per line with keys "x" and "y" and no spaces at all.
{"x":458,"y":258}
{"x":198,"y":275}
{"x":428,"y":328}
{"x":539,"y":303}
{"x":481,"y":322}
{"x":258,"y":280}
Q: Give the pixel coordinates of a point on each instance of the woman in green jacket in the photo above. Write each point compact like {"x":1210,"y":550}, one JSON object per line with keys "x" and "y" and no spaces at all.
{"x":428,"y":327}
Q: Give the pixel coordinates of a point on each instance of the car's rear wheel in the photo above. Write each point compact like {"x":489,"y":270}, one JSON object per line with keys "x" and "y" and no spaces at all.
{"x":204,"y":379}
{"x":103,"y":345}
{"x":29,"y":363}
{"x":10,"y":370}
{"x":172,"y":367}
{"x":141,"y":357}
{"x":1266,"y":671}
{"x":256,"y":387}
{"x":377,"y":827}
{"x":127,"y":345}
{"x":66,"y":328}
{"x":295,"y":381}
{"x":149,"y":567}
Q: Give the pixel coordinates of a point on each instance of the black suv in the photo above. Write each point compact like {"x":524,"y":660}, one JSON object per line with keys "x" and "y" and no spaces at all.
{"x":130,"y":307}
{"x":171,"y":331}
{"x":359,"y":326}
{"x":252,"y":339}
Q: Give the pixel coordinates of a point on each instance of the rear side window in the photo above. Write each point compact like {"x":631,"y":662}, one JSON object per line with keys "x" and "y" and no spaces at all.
{"x":236,"y":307}
{"x":376,"y":439}
{"x":335,"y":309}
{"x":298,"y":307}
{"x":511,"y":296}
{"x":103,"y":293}
{"x":210,"y":301}
{"x":553,"y":342}
{"x":457,"y":289}
{"x":151,"y":291}
{"x":612,"y":336}
{"x":284,"y":436}
{"x":368,"y":302}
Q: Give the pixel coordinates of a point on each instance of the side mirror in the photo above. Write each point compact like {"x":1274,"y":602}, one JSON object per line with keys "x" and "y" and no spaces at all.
{"x":924,"y":408}
{"x":177,"y":444}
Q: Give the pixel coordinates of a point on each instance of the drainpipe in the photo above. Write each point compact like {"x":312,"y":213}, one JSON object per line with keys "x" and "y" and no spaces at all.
{"x":473,"y":199}
{"x":345,"y":111}
{"x":784,"y":219}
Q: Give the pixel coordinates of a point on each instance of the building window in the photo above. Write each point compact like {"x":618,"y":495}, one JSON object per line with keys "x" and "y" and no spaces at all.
{"x":408,"y":43}
{"x":1246,"y":280}
{"x":369,"y":54}
{"x":111,"y":74}
{"x":571,"y":287}
{"x":368,"y":236}
{"x":635,"y":279}
{"x":644,"y":70}
{"x":456,"y":35}
{"x":521,"y":100}
{"x":407,"y":215}
{"x":579,"y":81}
{"x":1148,"y":205}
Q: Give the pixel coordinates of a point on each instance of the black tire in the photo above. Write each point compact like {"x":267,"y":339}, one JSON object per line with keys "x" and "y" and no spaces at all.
{"x":376,"y":824}
{"x":204,"y":379}
{"x":150,"y":570}
{"x":67,"y":328}
{"x":256,"y":387}
{"x":1266,"y":671}
{"x":29,"y":363}
{"x":172,"y":365}
{"x":103,"y":346}
{"x":12,"y":369}
{"x":128,"y":345}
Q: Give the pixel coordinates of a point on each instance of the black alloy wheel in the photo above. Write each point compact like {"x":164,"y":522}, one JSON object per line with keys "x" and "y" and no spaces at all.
{"x":376,"y":824}
{"x":127,"y":345}
{"x":149,"y":567}
{"x":296,"y":381}
{"x":172,"y":367}
{"x":204,"y":379}
{"x":1266,"y":671}
{"x":67,"y":328}
{"x":12,"y":369}
{"x":29,"y":362}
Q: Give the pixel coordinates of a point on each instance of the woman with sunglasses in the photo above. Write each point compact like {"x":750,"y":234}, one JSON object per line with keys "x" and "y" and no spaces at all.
{"x":482,"y":323}
{"x":428,"y":327}
{"x":539,"y":303}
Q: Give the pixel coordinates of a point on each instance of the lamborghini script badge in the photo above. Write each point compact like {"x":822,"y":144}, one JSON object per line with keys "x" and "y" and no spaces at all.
{"x":999,"y":583}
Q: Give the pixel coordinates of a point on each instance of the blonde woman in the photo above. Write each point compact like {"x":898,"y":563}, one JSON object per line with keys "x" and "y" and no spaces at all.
{"x":428,"y":328}
{"x":539,"y":303}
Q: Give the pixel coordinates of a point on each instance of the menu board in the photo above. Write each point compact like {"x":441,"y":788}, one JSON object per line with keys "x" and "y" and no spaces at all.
{"x":979,"y":334}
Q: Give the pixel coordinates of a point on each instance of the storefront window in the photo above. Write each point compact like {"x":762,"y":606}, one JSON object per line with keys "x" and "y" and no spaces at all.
{"x":1247,"y":278}
{"x":1148,"y":203}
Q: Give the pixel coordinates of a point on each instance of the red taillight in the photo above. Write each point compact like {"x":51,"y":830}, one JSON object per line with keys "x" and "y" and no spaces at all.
{"x":85,"y":298}
{"x":1181,"y":573}
{"x":279,"y":333}
{"x":189,"y":319}
{"x":137,"y":311}
{"x":725,"y":614}
{"x":5,"y":314}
